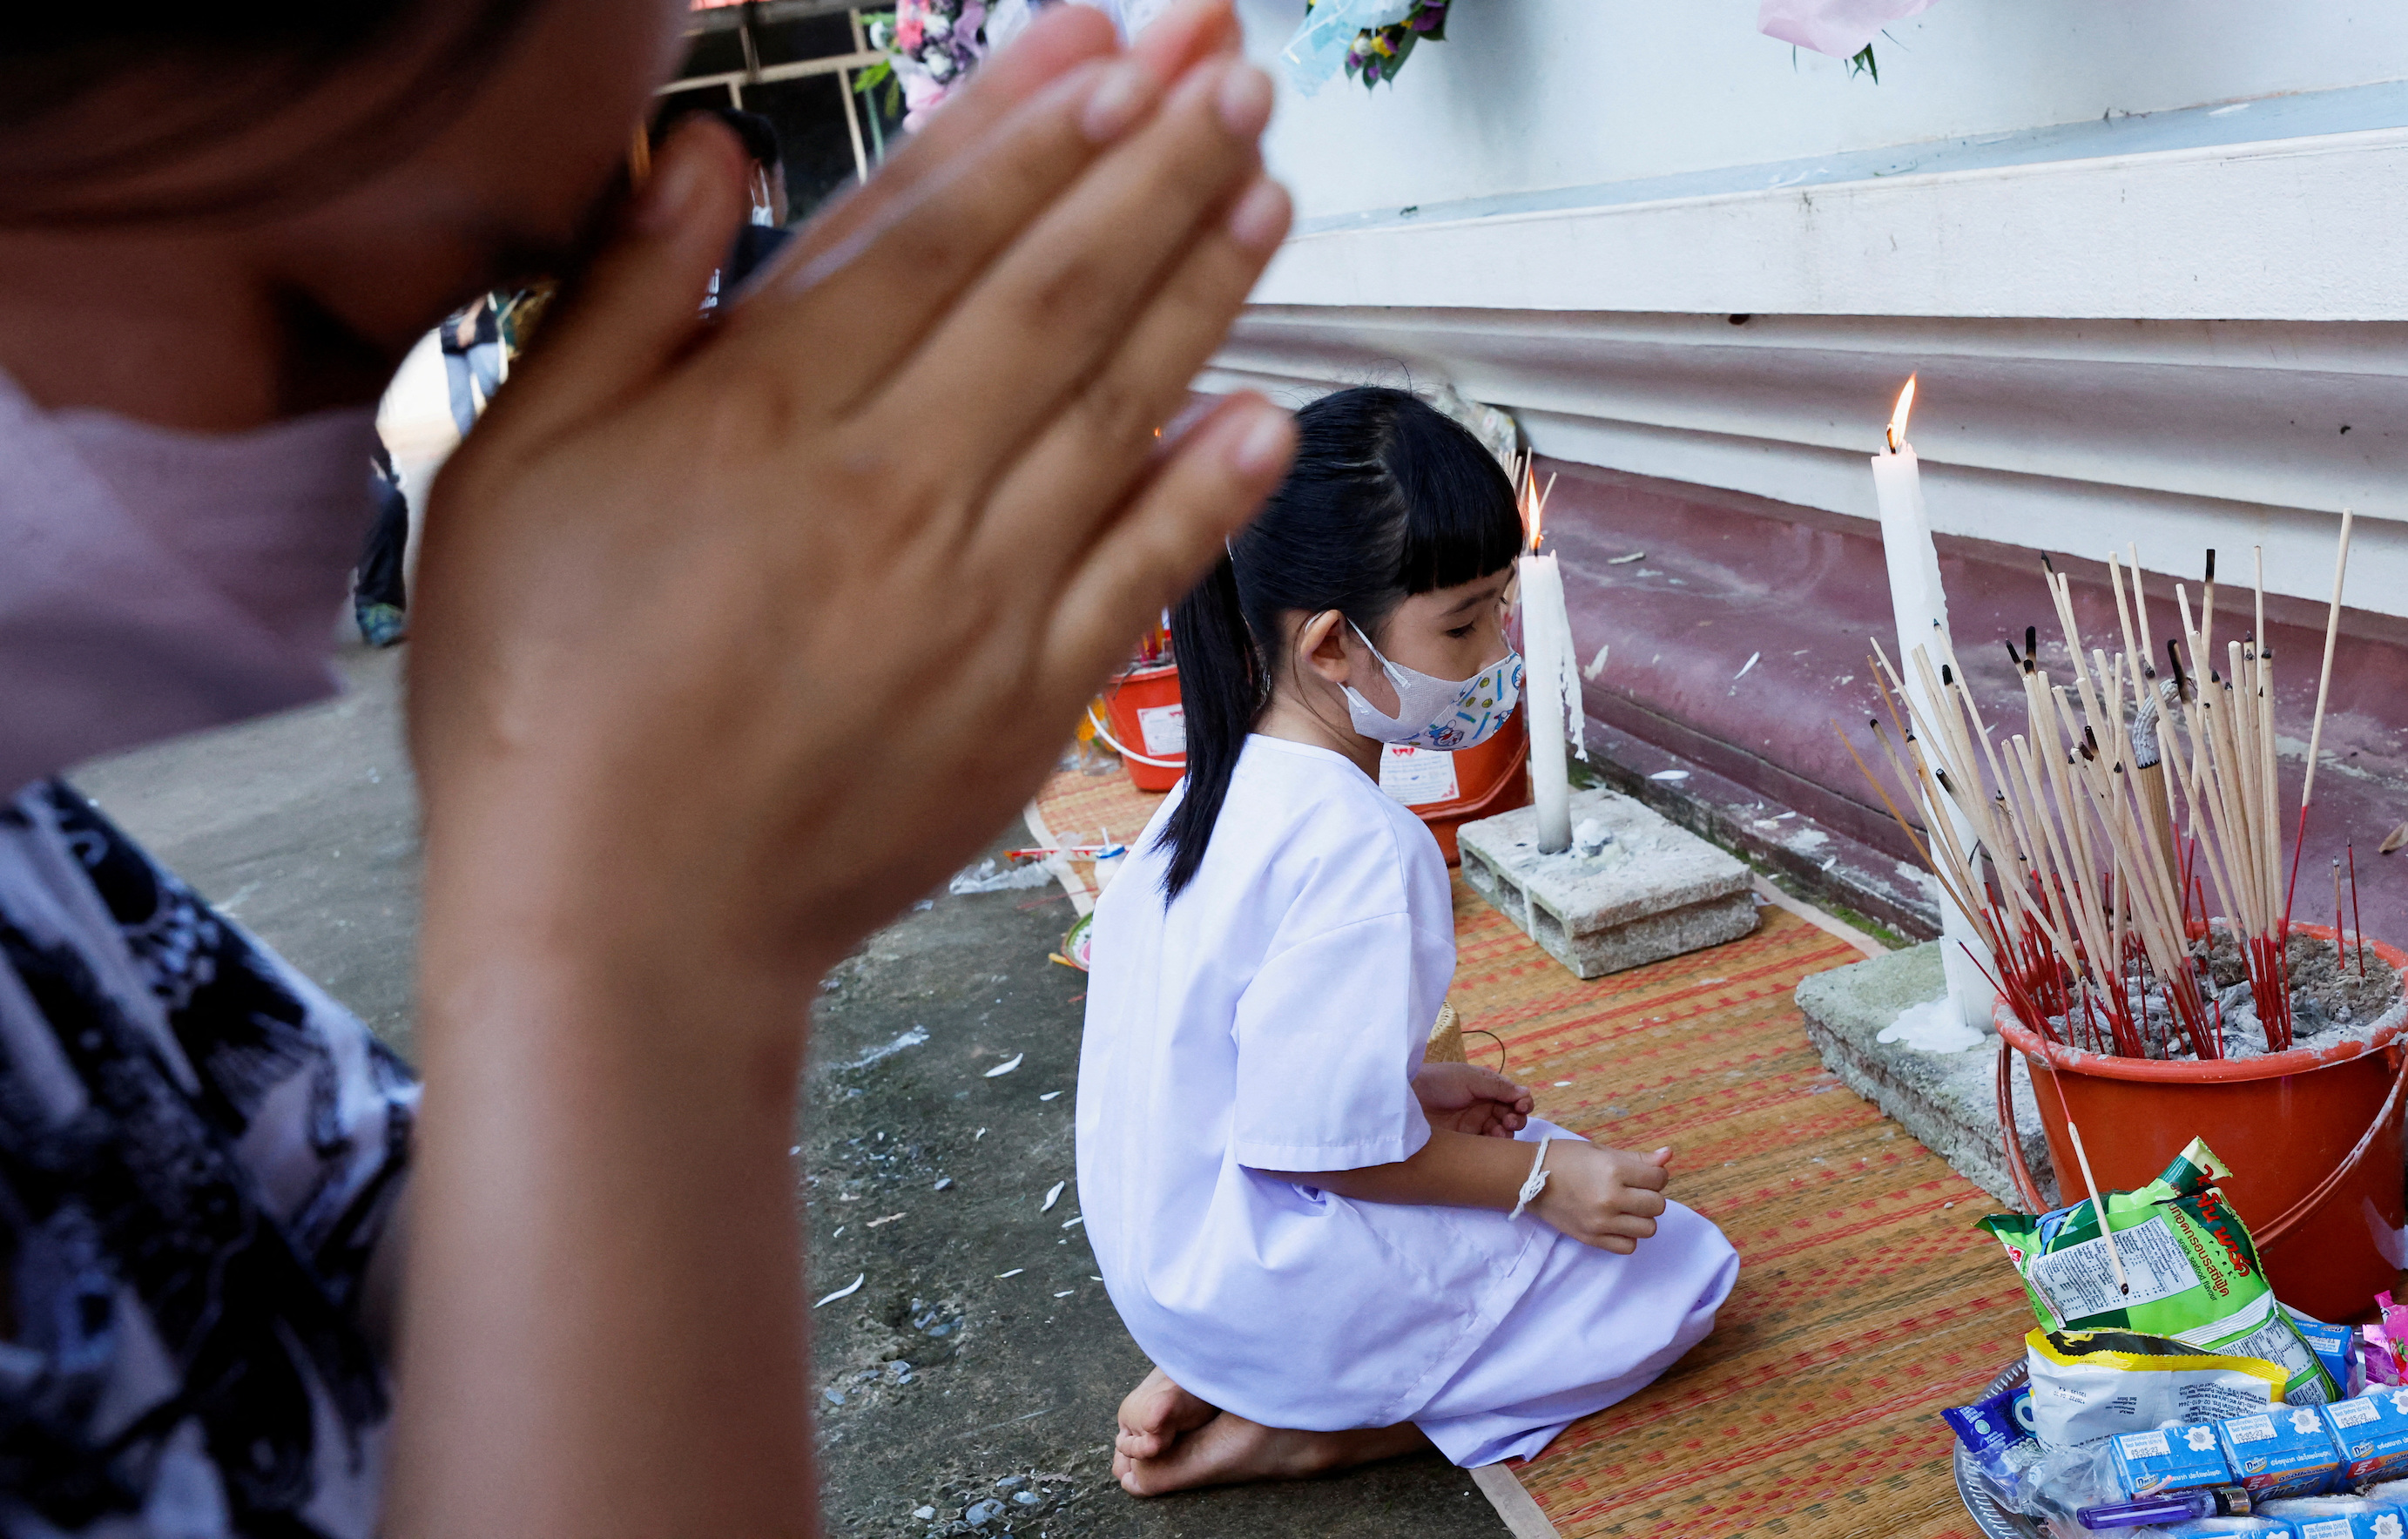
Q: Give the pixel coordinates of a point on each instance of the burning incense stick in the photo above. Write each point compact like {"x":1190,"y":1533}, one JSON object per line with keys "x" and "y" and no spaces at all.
{"x":2317,"y":731}
{"x":2356,"y":926}
{"x":2091,"y":1187}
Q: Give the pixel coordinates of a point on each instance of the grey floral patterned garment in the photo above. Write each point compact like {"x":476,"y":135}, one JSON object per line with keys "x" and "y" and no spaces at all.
{"x":198,"y":1150}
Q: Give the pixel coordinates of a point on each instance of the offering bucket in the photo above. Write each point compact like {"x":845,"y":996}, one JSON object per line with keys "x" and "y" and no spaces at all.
{"x":2313,"y":1137}
{"x":1143,"y":709}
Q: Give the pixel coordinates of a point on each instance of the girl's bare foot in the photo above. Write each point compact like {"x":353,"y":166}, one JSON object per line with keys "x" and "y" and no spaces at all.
{"x":1228,"y":1449}
{"x":1156,"y":1414}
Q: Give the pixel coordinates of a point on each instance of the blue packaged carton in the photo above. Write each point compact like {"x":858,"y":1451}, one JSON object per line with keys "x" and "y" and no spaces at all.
{"x":2340,"y":1518}
{"x":2335,"y":1346}
{"x":2285,"y":1452}
{"x":2171,"y":1458}
{"x":2372,"y":1432}
{"x":2216,"y":1528}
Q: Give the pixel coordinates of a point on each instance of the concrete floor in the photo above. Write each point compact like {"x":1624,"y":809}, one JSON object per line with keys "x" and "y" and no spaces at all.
{"x":303,"y":827}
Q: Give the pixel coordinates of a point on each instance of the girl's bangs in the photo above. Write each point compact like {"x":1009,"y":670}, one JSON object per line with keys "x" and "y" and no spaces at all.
{"x":1461,"y":521}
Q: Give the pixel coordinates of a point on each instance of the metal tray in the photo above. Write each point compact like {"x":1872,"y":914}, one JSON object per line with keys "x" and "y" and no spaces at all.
{"x":1995,"y":1522}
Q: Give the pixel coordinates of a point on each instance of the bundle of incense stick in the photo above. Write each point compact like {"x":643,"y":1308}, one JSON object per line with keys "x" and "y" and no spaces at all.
{"x":2128,"y":799}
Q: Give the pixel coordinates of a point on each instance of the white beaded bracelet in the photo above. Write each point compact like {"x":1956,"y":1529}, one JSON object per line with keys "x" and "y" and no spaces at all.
{"x":1536,"y":1184}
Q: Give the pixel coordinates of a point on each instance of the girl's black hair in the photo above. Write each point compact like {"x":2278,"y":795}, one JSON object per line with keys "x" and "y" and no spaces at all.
{"x":1387,"y":498}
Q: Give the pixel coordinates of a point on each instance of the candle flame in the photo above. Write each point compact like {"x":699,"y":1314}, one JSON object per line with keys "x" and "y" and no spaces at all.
{"x":1532,"y":497}
{"x":1898,"y":417}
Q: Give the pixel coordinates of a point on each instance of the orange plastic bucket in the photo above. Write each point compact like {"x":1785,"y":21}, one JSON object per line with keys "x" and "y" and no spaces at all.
{"x":1448,"y":790}
{"x":1148,"y":727}
{"x":2314,"y":1138}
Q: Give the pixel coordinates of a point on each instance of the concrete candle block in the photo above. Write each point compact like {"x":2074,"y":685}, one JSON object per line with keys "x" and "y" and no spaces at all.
{"x":1948,"y":1100}
{"x":1654,"y":889}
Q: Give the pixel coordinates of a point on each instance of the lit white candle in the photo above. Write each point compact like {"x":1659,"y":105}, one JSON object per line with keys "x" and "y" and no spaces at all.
{"x":1546,"y":642}
{"x":1920,"y":607}
{"x":1546,"y":664}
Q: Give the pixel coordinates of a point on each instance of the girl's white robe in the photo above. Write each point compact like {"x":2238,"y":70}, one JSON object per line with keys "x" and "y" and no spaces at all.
{"x":1272,"y":1019}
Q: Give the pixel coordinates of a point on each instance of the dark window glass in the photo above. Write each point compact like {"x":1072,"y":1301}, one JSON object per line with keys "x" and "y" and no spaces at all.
{"x":718,"y":52}
{"x":804,"y":37}
{"x":814,"y":142}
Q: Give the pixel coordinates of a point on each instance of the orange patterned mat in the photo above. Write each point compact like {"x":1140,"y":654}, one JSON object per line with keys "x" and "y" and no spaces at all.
{"x":1866,"y":1300}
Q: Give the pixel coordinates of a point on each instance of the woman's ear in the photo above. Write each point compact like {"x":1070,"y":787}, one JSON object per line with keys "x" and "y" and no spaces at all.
{"x":1321,"y":647}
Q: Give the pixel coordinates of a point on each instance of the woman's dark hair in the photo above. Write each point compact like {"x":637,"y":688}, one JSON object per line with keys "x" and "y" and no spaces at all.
{"x":96,"y":101}
{"x":758,"y":133}
{"x":1387,"y":498}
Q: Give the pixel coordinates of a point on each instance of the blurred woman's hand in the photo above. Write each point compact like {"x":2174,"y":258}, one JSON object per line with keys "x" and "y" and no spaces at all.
{"x":740,"y":641}
{"x":729,"y":642}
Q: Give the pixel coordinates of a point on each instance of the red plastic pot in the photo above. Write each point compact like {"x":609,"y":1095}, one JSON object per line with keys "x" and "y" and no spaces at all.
{"x":1147,"y":726}
{"x":2314,"y":1138}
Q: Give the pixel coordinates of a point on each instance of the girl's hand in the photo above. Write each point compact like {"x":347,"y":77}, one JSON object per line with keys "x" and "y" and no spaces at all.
{"x":1606,"y":1198}
{"x":1471,"y":1099}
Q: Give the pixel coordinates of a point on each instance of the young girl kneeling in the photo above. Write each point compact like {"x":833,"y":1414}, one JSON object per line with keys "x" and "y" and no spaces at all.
{"x":1332,"y":1250}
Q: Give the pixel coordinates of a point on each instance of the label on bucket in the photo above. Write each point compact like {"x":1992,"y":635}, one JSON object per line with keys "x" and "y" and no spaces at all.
{"x":1418,"y":777}
{"x":2079,"y":1280}
{"x":1164,"y":728}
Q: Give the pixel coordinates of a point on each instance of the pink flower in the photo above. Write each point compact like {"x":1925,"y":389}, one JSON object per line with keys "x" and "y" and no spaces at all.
{"x":908,"y":33}
{"x":1836,"y":27}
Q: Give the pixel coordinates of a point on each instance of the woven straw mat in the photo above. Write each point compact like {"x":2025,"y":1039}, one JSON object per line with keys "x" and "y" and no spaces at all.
{"x":1866,"y":1300}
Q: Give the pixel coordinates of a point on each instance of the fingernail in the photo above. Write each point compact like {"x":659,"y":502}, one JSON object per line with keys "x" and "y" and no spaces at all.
{"x":1244,"y":100}
{"x":1120,"y":97}
{"x":1262,"y":446}
{"x":666,"y":201}
{"x":1260,"y":217}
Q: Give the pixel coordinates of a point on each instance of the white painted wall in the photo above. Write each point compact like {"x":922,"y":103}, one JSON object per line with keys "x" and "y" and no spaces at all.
{"x":1544,"y":93}
{"x":2185,"y":327}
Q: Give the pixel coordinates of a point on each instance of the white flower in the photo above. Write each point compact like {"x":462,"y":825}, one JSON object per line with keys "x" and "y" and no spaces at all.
{"x":941,"y":67}
{"x":939,"y":24}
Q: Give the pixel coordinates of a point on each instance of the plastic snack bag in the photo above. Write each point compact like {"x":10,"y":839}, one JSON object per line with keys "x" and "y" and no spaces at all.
{"x":1997,"y":1433}
{"x":2091,"y":1384}
{"x":2187,"y":1258}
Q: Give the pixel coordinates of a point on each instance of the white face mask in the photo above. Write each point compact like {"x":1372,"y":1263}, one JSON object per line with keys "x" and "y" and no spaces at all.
{"x":1443,"y":713}
{"x":155,"y":582}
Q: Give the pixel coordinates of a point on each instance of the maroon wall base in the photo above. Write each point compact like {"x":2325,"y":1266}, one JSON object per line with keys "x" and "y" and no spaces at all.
{"x":1724,"y":577}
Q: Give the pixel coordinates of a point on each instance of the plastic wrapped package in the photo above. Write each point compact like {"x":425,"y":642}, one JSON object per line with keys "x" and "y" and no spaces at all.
{"x":2372,"y":1432}
{"x":2336,"y":1346}
{"x":2088,"y":1386}
{"x":1997,"y":1434}
{"x":2286,"y":1452}
{"x":2183,"y":1268}
{"x":2339,"y":1518}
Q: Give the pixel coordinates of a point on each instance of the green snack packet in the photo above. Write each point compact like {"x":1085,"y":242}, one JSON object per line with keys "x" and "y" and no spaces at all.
{"x":2194,"y":1273}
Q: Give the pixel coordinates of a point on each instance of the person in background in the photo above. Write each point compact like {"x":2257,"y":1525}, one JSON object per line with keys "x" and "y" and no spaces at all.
{"x":674,"y":756}
{"x":766,"y":230}
{"x":472,"y":359}
{"x":379,"y":596}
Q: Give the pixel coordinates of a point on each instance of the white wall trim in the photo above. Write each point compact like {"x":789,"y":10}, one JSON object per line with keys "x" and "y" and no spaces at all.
{"x":2283,"y":229}
{"x":2057,"y":434}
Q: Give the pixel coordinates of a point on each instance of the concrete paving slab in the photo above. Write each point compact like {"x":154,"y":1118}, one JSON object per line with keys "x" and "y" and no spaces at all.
{"x":1948,"y":1100}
